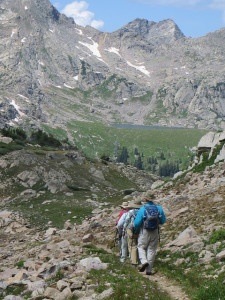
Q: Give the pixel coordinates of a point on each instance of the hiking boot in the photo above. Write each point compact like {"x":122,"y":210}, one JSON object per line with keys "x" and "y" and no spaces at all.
{"x":149,"y":273}
{"x":143,"y":267}
{"x":152,"y":272}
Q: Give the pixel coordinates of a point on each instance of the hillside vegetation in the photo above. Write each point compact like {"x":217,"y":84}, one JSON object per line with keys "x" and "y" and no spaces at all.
{"x":48,"y":180}
{"x":64,"y":210}
{"x":158,"y":143}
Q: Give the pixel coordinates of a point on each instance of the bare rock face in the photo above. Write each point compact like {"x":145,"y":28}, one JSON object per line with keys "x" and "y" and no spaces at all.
{"x":54,"y":71}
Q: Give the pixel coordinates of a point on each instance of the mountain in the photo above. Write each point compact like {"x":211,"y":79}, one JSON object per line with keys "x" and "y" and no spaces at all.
{"x":54,"y":71}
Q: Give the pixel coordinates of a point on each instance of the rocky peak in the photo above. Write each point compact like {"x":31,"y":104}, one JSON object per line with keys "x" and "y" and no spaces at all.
{"x":162,"y":32}
{"x":31,"y":14}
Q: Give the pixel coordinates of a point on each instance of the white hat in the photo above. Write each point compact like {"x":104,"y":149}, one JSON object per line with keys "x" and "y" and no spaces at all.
{"x":124,"y":205}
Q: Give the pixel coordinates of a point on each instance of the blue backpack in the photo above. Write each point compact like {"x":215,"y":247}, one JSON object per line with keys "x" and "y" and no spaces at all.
{"x":151,"y":217}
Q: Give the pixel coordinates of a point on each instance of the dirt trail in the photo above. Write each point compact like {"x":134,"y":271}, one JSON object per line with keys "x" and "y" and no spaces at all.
{"x":163,"y":282}
{"x":169,"y":286}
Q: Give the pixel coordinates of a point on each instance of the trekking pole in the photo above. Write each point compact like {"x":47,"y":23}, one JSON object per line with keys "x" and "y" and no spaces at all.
{"x":115,"y":238}
{"x":159,"y":234}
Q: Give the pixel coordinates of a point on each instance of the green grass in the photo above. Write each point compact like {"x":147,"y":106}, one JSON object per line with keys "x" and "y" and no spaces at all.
{"x":217,"y":236}
{"x":70,"y":204}
{"x":53,"y":208}
{"x":194,"y":282}
{"x":6,"y":148}
{"x":20,"y":264}
{"x":126,"y":281}
{"x":96,"y":139}
{"x":16,"y":290}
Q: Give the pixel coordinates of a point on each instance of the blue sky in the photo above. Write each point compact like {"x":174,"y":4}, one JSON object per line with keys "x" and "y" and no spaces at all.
{"x":195,"y":18}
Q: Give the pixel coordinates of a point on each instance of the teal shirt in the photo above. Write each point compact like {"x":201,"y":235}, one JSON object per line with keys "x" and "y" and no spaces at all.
{"x":140,"y":215}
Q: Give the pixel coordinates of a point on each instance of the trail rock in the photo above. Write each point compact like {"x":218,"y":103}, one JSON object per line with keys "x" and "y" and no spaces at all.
{"x":93,"y":263}
{"x":186,"y":237}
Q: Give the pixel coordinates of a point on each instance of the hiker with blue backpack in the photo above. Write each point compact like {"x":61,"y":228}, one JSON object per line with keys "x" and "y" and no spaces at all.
{"x":147,"y":222}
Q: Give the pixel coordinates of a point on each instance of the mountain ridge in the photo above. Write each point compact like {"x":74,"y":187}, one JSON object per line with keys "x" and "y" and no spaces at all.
{"x":55,"y":71}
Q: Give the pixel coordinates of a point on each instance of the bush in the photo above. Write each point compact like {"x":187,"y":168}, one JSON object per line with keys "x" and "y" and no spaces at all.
{"x":14,"y":133}
{"x":43,"y":139}
{"x":217,"y":236}
{"x":20,"y":264}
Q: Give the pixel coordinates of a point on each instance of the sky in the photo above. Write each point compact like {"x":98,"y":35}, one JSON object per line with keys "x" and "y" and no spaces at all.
{"x":195,"y":18}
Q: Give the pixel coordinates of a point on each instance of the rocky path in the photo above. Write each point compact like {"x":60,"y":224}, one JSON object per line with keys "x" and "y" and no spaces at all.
{"x":163,"y":282}
{"x":169,"y":286}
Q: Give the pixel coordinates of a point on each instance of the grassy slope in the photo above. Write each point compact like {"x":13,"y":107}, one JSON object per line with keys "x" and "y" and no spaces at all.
{"x":69,"y":203}
{"x":96,"y":139}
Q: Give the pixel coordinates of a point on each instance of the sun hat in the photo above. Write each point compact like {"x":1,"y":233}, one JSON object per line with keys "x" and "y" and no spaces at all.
{"x":149,"y":197}
{"x":124,"y":205}
{"x":134,"y":205}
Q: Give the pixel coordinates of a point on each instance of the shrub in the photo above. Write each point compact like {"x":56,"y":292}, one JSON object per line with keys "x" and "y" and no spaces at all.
{"x":20,"y":264}
{"x":14,"y":133}
{"x":44,"y":139}
{"x":217,"y":236}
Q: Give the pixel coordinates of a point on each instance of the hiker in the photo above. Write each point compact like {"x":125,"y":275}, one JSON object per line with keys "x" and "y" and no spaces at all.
{"x":124,"y":241}
{"x":119,"y":229}
{"x":148,"y":238}
{"x":132,"y":236}
{"x":123,"y":210}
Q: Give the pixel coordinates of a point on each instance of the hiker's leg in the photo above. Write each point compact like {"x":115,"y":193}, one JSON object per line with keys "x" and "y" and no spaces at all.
{"x":151,"y":250}
{"x":143,"y":241}
{"x":124,"y":248}
{"x":132,"y":247}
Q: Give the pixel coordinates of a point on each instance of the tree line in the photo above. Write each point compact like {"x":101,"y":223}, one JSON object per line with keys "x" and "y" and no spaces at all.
{"x":157,"y":164}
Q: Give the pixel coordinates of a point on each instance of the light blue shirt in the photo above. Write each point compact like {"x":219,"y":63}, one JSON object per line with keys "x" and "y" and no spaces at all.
{"x":140,"y":215}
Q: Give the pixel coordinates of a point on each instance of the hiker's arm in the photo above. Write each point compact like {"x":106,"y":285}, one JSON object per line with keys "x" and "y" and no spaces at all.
{"x":126,"y":221}
{"x":139,"y":219}
{"x":162,"y":217}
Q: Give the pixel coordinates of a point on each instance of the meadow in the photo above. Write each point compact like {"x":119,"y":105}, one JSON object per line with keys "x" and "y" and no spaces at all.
{"x":97,"y":140}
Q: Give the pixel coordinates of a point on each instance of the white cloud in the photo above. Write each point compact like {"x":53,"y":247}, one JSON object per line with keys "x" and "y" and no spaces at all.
{"x":78,"y":10}
{"x":97,"y":24}
{"x":173,"y":2}
{"x":219,"y":5}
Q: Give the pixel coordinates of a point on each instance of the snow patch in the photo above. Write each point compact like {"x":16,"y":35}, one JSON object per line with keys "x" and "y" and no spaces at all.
{"x":26,"y":8}
{"x":76,"y":77}
{"x":79,"y":31}
{"x":41,"y":63}
{"x":22,"y":96}
{"x":69,"y":87}
{"x":113,"y":50}
{"x":139,"y":68}
{"x":23,"y":40}
{"x":51,"y":30}
{"x":13,"y":103}
{"x":93,"y":48}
